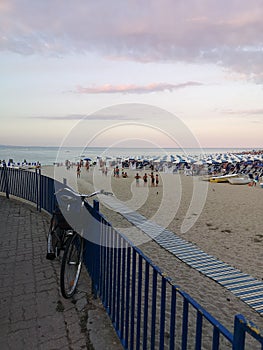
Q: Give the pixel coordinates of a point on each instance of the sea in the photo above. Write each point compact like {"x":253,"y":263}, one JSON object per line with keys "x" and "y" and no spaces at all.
{"x":52,"y":155}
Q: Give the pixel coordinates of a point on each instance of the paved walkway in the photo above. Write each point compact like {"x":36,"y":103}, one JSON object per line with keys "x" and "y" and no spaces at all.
{"x":33,"y":314}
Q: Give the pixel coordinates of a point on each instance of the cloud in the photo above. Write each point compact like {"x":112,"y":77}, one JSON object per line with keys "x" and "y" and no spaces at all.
{"x":79,"y":117}
{"x":253,"y":116}
{"x":66,"y":117}
{"x":228,"y":33}
{"x":257,"y":111}
{"x":134,"y":89}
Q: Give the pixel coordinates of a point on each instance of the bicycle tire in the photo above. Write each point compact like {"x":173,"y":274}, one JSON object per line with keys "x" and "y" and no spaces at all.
{"x":71,"y":265}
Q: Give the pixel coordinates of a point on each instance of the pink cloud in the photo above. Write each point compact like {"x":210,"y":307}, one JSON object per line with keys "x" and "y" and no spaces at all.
{"x":258,"y":111}
{"x":134,"y":89}
{"x":219,"y":32}
{"x":79,"y":117}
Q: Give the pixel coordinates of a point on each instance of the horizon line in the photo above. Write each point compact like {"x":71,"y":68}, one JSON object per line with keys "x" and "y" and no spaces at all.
{"x":133,"y":147}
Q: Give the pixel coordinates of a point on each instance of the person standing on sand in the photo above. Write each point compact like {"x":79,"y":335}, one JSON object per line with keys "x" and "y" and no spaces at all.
{"x":256,"y":179}
{"x":78,"y":171}
{"x":156,"y":180}
{"x":145,"y":179}
{"x":137,"y":178}
{"x":251,"y":178}
{"x":87,"y":165}
{"x":152,"y":179}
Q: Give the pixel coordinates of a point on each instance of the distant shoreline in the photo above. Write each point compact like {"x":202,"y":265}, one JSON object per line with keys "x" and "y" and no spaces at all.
{"x":128,"y":148}
{"x":51,"y":155}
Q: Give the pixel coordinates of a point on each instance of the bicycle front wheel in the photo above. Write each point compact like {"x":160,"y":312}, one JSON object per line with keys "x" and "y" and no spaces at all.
{"x":71,"y":265}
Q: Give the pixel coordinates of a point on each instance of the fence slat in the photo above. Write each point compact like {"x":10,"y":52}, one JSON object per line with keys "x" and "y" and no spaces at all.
{"x":215,"y":345}
{"x":118,"y":282}
{"x":133,"y":288}
{"x":185,"y":324}
{"x":139,"y":303}
{"x":110,"y":271}
{"x":127,"y":305}
{"x":154,"y":294}
{"x":162,"y":313}
{"x":114,"y":283}
{"x":146,"y":305}
{"x":173,"y":318}
{"x":199,"y":324}
{"x":123,"y":291}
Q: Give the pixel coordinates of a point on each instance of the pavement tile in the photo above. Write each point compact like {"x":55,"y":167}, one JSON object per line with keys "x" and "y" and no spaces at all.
{"x":29,"y":287}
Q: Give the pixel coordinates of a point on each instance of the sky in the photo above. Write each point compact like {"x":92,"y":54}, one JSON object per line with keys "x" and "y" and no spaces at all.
{"x":144,"y":73}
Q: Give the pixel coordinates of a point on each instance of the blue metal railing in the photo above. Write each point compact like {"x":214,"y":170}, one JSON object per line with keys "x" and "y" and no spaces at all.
{"x":147,"y":310}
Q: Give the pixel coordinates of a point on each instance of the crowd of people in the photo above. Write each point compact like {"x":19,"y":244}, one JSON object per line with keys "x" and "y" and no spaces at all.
{"x":79,"y":166}
{"x":154,"y":178}
{"x":253,"y":169}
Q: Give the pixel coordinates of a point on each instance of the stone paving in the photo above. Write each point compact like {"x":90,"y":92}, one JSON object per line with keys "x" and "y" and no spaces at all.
{"x":33,"y":314}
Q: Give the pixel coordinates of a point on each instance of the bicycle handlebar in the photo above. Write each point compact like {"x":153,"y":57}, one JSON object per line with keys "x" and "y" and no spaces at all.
{"x":82,"y":195}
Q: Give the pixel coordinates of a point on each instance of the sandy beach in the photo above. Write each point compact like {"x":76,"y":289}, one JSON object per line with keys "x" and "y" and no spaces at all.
{"x":226,"y":222}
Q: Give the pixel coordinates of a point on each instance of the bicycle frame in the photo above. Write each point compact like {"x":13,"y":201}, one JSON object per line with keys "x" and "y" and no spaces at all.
{"x":67,"y":240}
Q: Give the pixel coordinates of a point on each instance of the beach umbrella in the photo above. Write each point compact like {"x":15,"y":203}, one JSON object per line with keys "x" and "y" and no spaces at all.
{"x":200,"y":162}
{"x":145,"y":162}
{"x":88,"y":159}
{"x":214,"y":161}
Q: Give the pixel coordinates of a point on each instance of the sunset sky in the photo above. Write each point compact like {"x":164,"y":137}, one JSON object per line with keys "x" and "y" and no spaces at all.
{"x":200,"y":61}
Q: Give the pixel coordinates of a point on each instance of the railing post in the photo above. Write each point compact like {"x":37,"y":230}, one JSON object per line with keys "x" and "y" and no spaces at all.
{"x":96,"y":250}
{"x":38,"y":174}
{"x":96,"y":205}
{"x":6,"y":181}
{"x":40,"y":194}
{"x":239,"y":334}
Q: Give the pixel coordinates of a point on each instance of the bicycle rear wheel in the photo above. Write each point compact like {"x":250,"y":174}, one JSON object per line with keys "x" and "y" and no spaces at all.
{"x":71,"y":265}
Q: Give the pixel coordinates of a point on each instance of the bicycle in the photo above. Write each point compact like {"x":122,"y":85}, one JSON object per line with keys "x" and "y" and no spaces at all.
{"x":62,"y":236}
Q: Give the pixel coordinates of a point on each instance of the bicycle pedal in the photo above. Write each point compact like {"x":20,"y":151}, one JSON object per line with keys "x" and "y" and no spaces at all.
{"x":50,"y":256}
